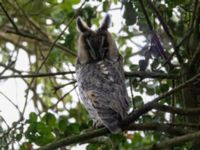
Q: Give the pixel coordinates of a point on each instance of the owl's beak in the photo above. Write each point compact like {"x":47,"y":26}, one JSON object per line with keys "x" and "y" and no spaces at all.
{"x":101,"y":49}
{"x":91,"y":51}
{"x":97,"y":53}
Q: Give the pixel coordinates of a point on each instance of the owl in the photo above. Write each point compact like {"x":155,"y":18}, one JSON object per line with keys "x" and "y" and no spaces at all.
{"x":100,"y":76}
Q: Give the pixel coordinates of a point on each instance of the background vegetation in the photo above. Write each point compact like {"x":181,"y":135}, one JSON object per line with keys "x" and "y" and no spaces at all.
{"x":163,"y":85}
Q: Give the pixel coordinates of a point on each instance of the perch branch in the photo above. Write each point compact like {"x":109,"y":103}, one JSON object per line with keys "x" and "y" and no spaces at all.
{"x":125,"y":124}
{"x":127,"y":74}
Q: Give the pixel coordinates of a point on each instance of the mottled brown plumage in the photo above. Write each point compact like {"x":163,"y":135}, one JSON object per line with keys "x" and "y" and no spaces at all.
{"x":100,"y":76}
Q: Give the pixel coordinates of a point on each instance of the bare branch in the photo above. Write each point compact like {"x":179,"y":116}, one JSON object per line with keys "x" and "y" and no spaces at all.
{"x":39,"y":75}
{"x":158,"y":127}
{"x":173,"y":141}
{"x":46,"y":42}
{"x":174,"y":110}
{"x":150,"y":75}
{"x":127,"y":74}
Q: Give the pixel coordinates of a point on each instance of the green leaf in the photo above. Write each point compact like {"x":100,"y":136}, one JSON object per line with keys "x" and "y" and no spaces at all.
{"x":33,"y":117}
{"x":26,"y":146}
{"x":106,"y":6}
{"x":178,"y":2}
{"x":52,"y":1}
{"x":50,"y":120}
{"x":134,"y":67}
{"x":138,"y":101}
{"x":92,"y":146}
{"x":75,"y":1}
{"x":63,"y":123}
{"x":137,"y":137}
{"x":73,"y":128}
{"x":130,"y":14}
{"x":19,"y":137}
{"x":42,"y":128}
{"x":164,"y":88}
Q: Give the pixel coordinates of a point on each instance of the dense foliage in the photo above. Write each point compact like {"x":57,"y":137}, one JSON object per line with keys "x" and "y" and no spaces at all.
{"x":160,"y":43}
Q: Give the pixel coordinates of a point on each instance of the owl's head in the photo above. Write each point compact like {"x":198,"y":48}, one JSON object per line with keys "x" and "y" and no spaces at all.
{"x":95,"y":45}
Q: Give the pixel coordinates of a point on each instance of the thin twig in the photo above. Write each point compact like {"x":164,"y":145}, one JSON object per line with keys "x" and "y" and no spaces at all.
{"x":11,"y":102}
{"x":62,"y":86}
{"x":45,"y":41}
{"x":2,"y":118}
{"x":31,"y":21}
{"x":7,"y":67}
{"x":39,"y":75}
{"x":166,"y":29}
{"x":132,"y":97}
{"x":9,"y":18}
{"x":185,"y":37}
{"x":62,"y":97}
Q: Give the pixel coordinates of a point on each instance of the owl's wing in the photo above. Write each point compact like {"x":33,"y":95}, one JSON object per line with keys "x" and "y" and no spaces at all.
{"x":88,"y":105}
{"x":119,"y":67}
{"x":104,"y":92}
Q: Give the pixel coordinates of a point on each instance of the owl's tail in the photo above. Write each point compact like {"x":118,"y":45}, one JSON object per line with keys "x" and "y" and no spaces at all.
{"x":114,"y":129}
{"x":110,"y":120}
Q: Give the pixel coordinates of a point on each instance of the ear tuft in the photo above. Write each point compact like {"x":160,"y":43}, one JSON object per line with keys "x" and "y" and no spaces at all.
{"x":106,"y":22}
{"x":81,"y":25}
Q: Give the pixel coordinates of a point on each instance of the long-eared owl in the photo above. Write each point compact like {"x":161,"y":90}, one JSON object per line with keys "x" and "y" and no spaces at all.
{"x":100,"y":76}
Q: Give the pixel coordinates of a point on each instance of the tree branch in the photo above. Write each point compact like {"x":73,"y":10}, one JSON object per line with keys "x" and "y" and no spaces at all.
{"x":158,"y":127}
{"x":150,"y":105}
{"x":124,"y":125}
{"x":173,"y":141}
{"x":146,"y":15}
{"x":75,"y":139}
{"x":127,"y":74}
{"x":150,"y":75}
{"x":39,"y":75}
{"x":103,"y":131}
{"x":47,"y":42}
{"x":174,"y":110}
